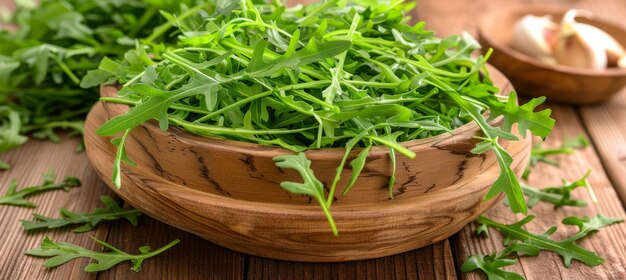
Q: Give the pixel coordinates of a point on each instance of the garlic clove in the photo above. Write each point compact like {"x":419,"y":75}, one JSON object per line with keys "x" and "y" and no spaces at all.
{"x":574,"y":51}
{"x":577,"y":46}
{"x":532,"y":36}
{"x":614,"y":50}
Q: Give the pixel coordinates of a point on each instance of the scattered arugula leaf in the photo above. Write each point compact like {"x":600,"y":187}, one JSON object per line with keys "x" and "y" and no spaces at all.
{"x":491,"y":264}
{"x":17,"y":198}
{"x":515,"y":234}
{"x":521,"y":242}
{"x":112,"y":211}
{"x":539,"y":154}
{"x":559,"y":196}
{"x":61,"y":42}
{"x":62,"y":252}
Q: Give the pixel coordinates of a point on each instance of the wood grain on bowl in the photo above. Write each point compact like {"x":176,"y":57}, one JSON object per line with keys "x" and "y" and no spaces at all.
{"x":228,"y":191}
{"x":534,"y":78}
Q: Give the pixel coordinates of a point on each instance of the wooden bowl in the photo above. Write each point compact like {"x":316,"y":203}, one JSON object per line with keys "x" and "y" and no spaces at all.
{"x":534,"y":78}
{"x":228,"y":191}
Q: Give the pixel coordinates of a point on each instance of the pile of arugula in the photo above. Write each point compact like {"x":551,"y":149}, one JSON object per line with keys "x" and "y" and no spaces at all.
{"x":45,"y":87}
{"x":332,"y":74}
{"x":43,"y":64}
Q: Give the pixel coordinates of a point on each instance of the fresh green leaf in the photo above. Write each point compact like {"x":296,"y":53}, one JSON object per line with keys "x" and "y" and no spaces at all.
{"x":156,"y":107}
{"x":120,"y":157}
{"x":587,"y":225}
{"x":310,"y":186}
{"x":539,"y":123}
{"x":111,"y":212}
{"x":62,"y":252}
{"x":559,"y":196}
{"x":568,"y":147}
{"x":18,"y":198}
{"x":518,"y":242}
{"x":10,"y":124}
{"x":507,"y":180}
{"x":357,"y":165}
{"x":491,"y":264}
{"x":566,"y":248}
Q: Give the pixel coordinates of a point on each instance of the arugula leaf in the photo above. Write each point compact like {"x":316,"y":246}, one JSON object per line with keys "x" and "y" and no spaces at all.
{"x":120,"y":157}
{"x":560,"y":195}
{"x":310,"y":186}
{"x":568,"y":147}
{"x":587,"y":225}
{"x":491,"y":264}
{"x":62,"y":252}
{"x":520,"y":242}
{"x":539,"y":123}
{"x":313,"y":52}
{"x":155,"y":107}
{"x":357,"y":165}
{"x":507,"y":180}
{"x":10,"y":124}
{"x":566,"y":248}
{"x":112,"y":211}
{"x":17,"y":198}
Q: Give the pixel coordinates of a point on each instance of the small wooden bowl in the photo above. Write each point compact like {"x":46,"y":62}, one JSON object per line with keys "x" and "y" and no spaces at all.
{"x":534,"y":78}
{"x":228,"y":191}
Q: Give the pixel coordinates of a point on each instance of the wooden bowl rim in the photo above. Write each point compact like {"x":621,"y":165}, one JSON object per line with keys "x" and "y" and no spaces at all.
{"x":543,"y":9}
{"x":250,"y":148}
{"x":341,"y":211}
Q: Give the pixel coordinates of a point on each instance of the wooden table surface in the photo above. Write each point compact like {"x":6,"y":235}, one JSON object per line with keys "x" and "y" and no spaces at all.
{"x":194,"y":258}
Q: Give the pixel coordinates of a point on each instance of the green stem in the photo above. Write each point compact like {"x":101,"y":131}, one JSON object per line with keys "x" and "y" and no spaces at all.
{"x":212,"y":130}
{"x":163,"y":28}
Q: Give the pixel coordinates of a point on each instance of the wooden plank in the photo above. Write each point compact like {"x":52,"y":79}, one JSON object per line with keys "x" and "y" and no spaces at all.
{"x":28,"y":163}
{"x":606,"y":123}
{"x":609,"y":242}
{"x":431,"y":262}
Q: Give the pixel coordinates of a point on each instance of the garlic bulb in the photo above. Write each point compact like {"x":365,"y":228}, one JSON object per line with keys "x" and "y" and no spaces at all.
{"x":532,"y":36}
